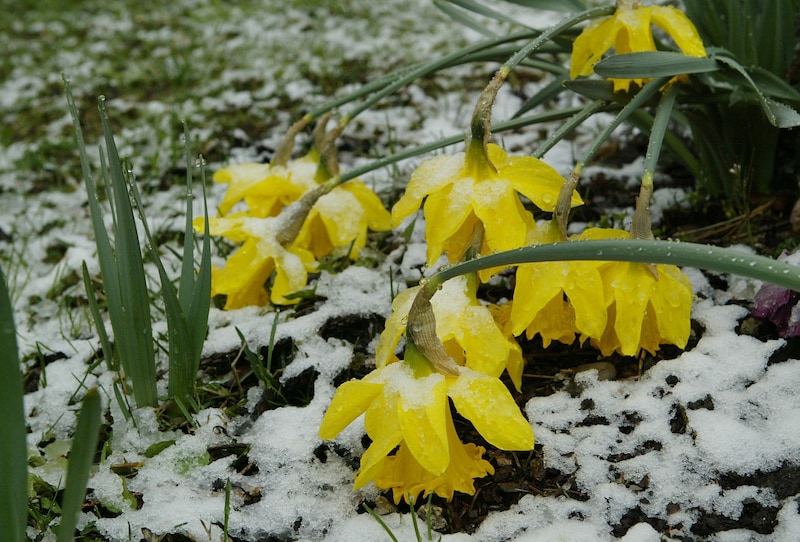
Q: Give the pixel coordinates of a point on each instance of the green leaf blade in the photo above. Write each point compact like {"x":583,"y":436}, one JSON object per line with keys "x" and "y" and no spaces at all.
{"x":81,"y":457}
{"x":13,"y":444}
{"x":650,"y":64}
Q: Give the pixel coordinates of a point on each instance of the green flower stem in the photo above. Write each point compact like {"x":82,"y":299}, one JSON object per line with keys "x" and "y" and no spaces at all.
{"x":412,"y":75}
{"x":482,"y":116}
{"x":723,"y":260}
{"x":447,"y":141}
{"x":561,"y":212}
{"x":642,"y":223}
{"x":574,"y":121}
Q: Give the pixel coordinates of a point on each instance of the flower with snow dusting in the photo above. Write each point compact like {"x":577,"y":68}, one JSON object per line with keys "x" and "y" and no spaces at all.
{"x":628,"y":30}
{"x":266,"y":188}
{"x":249,"y":268}
{"x":466,"y":328}
{"x":341,"y":218}
{"x":622,"y":307}
{"x":290,"y":245}
{"x":556,"y":300}
{"x":406,"y":405}
{"x":480,"y":187}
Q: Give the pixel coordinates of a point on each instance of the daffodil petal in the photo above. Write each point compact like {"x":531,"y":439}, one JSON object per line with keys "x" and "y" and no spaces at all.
{"x":430,"y":176}
{"x":487,"y":403}
{"x":395,"y":326}
{"x":680,"y":28}
{"x":350,"y":401}
{"x":423,"y":424}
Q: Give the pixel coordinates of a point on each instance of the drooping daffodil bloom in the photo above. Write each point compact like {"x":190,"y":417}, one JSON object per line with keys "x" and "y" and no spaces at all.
{"x":248,"y":269}
{"x":479,"y":187}
{"x":466,"y":328}
{"x":629,"y":30}
{"x":407,"y":404}
{"x":648,"y":305}
{"x":266,"y":188}
{"x":621,"y":307}
{"x":557,"y":299}
{"x":341,"y":218}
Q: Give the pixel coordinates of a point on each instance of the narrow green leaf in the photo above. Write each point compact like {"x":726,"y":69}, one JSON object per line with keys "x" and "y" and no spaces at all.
{"x":480,"y":9}
{"x":181,"y":385}
{"x":13,"y":444}
{"x":596,"y":89}
{"x":186,"y":285}
{"x":545,"y":95}
{"x":778,"y":114}
{"x":551,"y":5}
{"x":105,"y":343}
{"x":81,"y":457}
{"x":773,"y":86}
{"x":723,"y":260}
{"x":653,"y":64}
{"x":132,"y":282}
{"x":462,"y":18}
{"x":197,"y":316}
{"x":105,"y":252}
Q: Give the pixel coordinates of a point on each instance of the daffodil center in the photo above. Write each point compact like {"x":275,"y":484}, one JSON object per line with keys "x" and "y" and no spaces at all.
{"x":420,"y":365}
{"x":477,"y":164}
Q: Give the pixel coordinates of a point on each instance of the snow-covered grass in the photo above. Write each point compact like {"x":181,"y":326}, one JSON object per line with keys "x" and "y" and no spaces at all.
{"x":697,"y":440}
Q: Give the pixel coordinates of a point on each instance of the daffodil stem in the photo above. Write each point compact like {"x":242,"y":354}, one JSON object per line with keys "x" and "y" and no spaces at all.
{"x":421,"y":332}
{"x":452,"y":140}
{"x":482,"y":116}
{"x":562,"y":208}
{"x":723,"y":260}
{"x":647,"y":92}
{"x":573,"y":122}
{"x":641,"y":225}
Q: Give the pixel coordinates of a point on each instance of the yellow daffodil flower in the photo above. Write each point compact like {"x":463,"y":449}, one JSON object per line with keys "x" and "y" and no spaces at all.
{"x":466,"y":328}
{"x":539,"y":305}
{"x":406,"y":403}
{"x":619,"y":307}
{"x":407,"y":478}
{"x":266,"y":188}
{"x":247,"y":271}
{"x":629,"y":30}
{"x":467,"y":189}
{"x":341,"y":218}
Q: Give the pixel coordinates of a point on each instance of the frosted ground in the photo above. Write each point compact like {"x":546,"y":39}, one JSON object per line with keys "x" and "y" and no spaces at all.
{"x":703,"y":446}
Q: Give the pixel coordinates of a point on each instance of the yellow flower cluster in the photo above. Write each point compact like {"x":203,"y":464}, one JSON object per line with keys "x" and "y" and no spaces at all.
{"x":337,"y":219}
{"x":475,"y":203}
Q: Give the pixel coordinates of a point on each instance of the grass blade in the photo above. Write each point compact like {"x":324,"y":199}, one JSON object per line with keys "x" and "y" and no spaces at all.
{"x":13,"y":444}
{"x":81,"y":457}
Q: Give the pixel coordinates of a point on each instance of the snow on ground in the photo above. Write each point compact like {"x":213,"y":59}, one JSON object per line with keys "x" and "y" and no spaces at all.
{"x":662,"y":448}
